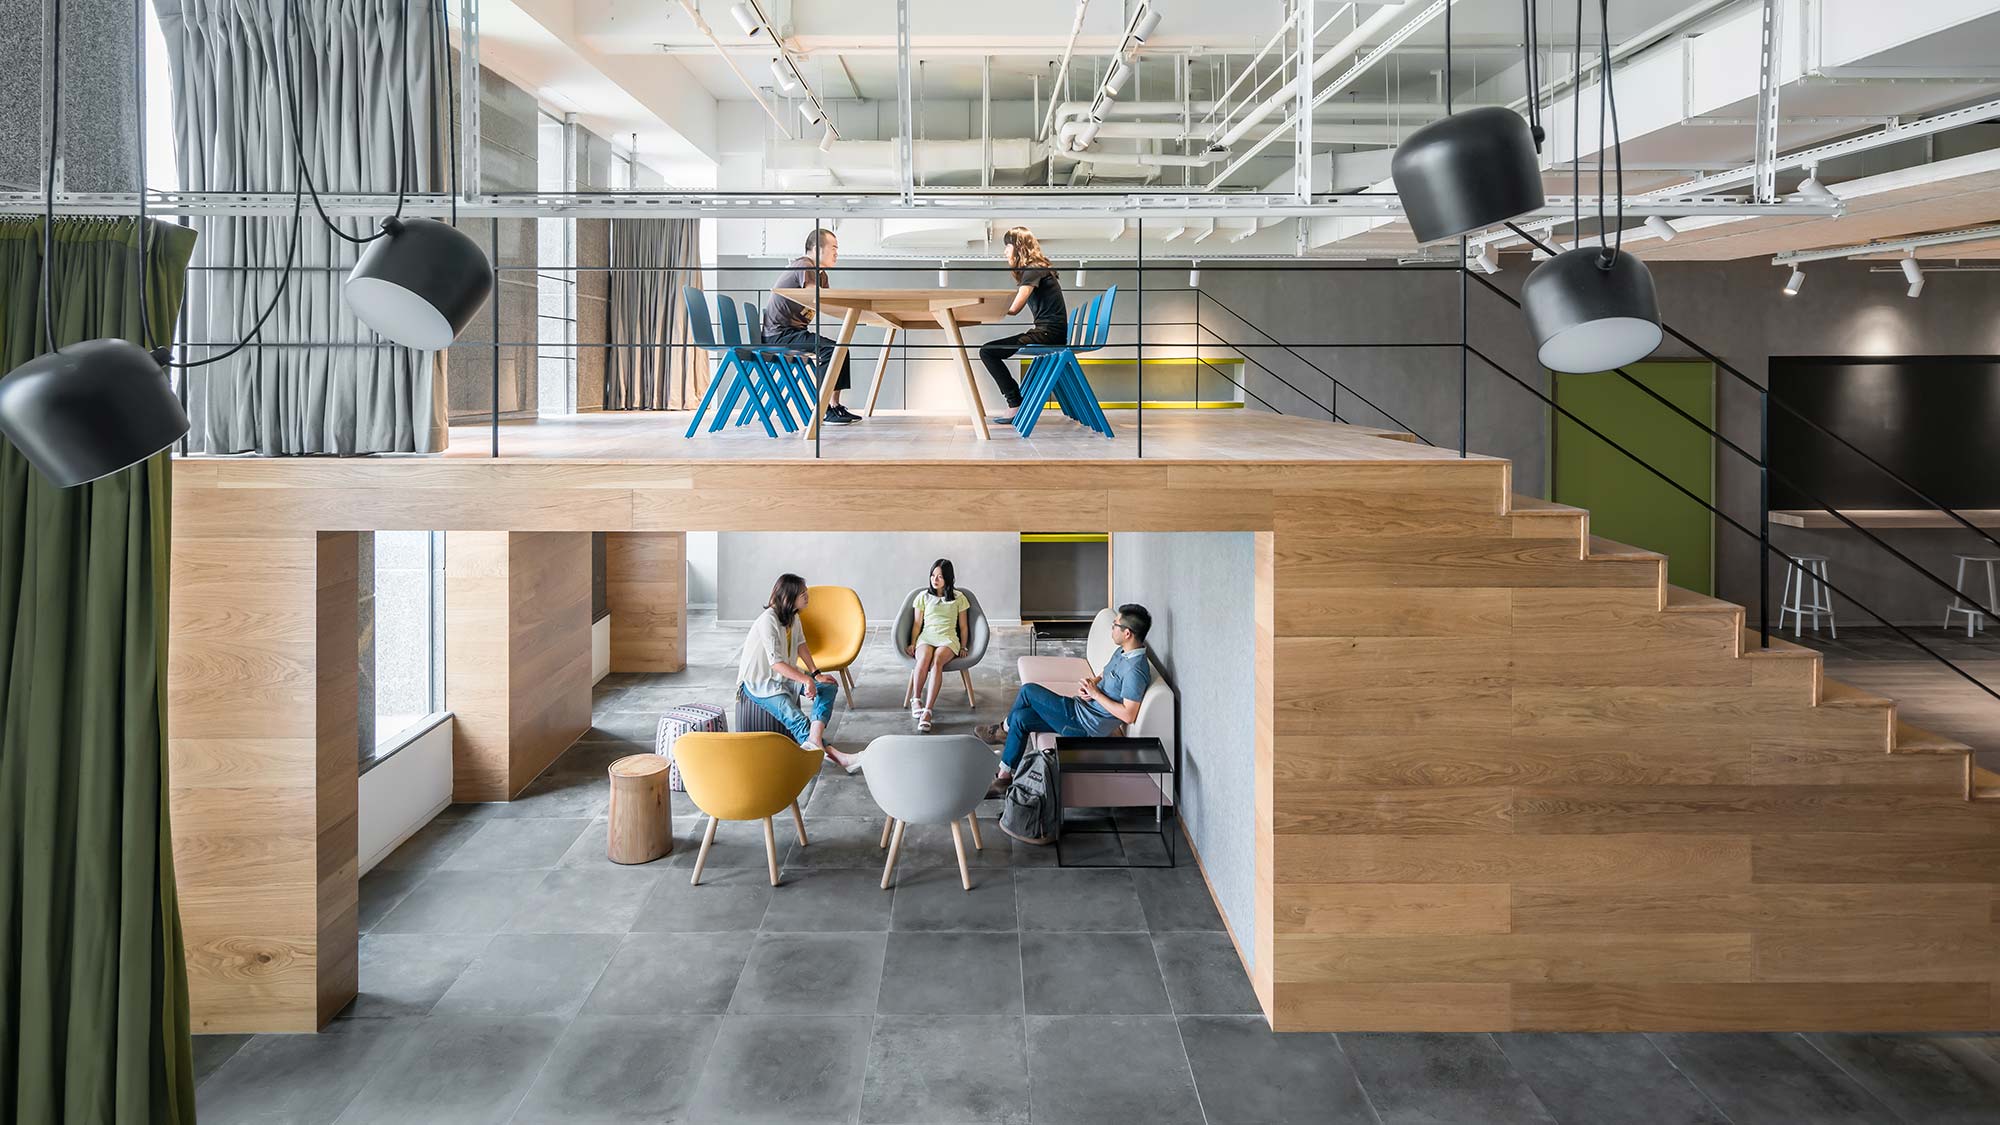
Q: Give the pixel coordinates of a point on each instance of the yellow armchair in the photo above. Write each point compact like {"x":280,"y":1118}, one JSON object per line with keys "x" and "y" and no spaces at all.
{"x":744,"y":777}
{"x":834,"y":625}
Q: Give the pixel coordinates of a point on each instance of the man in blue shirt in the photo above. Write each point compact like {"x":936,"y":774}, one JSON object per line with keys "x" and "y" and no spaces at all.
{"x":1103,"y":705}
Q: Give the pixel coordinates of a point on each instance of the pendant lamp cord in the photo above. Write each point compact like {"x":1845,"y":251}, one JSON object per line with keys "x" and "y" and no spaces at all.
{"x":1576,"y":131}
{"x":1609,"y":249}
{"x":451,"y":100}
{"x":146,"y":334}
{"x":1532,"y":67}
{"x":49,"y":195}
{"x":407,"y":156}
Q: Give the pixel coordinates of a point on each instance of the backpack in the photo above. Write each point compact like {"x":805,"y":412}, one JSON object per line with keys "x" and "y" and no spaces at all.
{"x":1032,"y":813}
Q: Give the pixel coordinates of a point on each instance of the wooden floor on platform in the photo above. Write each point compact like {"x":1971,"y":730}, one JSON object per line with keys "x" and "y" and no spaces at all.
{"x":1177,"y":435}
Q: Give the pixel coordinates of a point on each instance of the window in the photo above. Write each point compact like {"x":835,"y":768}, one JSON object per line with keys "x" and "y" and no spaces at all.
{"x":409,"y":636}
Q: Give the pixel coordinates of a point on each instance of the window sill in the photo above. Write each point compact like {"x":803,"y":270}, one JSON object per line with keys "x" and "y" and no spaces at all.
{"x":388,"y":748}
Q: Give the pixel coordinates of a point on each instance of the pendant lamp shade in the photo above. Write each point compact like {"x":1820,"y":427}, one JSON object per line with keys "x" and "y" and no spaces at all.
{"x":90,"y":409}
{"x":1588,"y":317}
{"x":420,"y":285}
{"x":1467,"y":171}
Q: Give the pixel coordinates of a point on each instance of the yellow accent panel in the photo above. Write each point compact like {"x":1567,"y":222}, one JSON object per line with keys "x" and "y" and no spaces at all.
{"x":834,"y":625}
{"x":1047,"y":537}
{"x":743,"y":776}
{"x":1151,"y":361}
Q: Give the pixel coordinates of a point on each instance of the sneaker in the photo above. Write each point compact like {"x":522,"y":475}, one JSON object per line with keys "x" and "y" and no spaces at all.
{"x":992,"y":734}
{"x":1002,"y":419}
{"x":838,"y":416}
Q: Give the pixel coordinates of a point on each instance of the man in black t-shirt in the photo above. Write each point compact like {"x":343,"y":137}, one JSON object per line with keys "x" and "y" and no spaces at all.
{"x":788,"y":323}
{"x":1041,"y":294}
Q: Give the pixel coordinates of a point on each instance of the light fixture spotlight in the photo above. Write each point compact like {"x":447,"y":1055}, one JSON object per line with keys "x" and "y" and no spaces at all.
{"x":1194,"y":275}
{"x":745,"y":19}
{"x":1114,"y":79}
{"x":1794,"y":282}
{"x":783,"y":76}
{"x":1915,"y":274}
{"x":826,"y":140}
{"x":1661,"y":228}
{"x":1079,"y":275}
{"x":1487,"y":260}
{"x":1148,"y":23}
{"x":811,"y":113}
{"x":944,"y":276}
{"x":1086,"y":135}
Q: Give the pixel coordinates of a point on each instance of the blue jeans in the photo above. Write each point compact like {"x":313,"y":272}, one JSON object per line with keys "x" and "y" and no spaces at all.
{"x":1036,"y":710}
{"x":784,"y":706}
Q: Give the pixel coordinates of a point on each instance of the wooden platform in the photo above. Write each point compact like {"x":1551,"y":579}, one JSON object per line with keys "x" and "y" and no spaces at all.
{"x":1170,"y":435}
{"x":1506,"y":777}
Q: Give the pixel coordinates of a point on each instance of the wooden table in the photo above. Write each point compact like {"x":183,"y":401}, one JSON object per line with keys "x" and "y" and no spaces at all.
{"x":899,"y":310}
{"x":1891,"y":518}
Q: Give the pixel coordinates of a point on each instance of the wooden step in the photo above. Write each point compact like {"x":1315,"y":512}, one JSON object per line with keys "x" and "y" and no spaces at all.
{"x":1782,"y":664}
{"x":1834,"y":693}
{"x":1681,"y":600}
{"x":1913,"y":739}
{"x":1533,"y":518}
{"x":1518,"y":503}
{"x":1602,"y":548}
{"x":1985,"y":785}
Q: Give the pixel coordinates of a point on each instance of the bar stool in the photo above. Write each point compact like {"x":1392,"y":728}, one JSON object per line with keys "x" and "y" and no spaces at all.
{"x":1975,"y":621}
{"x":1806,"y":593}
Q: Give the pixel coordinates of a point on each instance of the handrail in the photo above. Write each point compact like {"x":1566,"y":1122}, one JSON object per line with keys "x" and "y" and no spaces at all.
{"x":1295,"y":388}
{"x":1765,"y":393}
{"x":1329,"y":376}
{"x":1727,"y":518}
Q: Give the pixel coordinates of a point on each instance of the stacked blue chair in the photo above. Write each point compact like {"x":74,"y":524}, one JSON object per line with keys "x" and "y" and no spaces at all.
{"x":763,"y":395}
{"x":734,"y":374}
{"x":1057,"y":374}
{"x":790,"y":366}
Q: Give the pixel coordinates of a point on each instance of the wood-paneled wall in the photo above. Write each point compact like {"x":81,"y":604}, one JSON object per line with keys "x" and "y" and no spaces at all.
{"x":645,"y":587}
{"x":262,"y":746}
{"x":517,"y":655}
{"x":1505,"y":777}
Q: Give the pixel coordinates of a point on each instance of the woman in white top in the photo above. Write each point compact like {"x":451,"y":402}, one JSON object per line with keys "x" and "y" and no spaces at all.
{"x":771,"y":680}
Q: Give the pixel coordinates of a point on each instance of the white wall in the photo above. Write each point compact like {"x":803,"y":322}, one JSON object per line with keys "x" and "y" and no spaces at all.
{"x":1198,"y":587}
{"x":701,"y":548}
{"x":402,"y":793}
{"x":882,"y":568}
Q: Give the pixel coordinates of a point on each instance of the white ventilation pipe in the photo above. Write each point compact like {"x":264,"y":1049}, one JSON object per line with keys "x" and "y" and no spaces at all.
{"x":1333,"y":56}
{"x":861,"y":161}
{"x":1149,"y":159}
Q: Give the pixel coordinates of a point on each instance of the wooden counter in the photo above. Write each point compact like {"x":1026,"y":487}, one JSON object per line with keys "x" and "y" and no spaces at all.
{"x":1891,"y":519}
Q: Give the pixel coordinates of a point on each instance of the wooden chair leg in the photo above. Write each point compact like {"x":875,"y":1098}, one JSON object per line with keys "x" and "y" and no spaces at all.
{"x":895,"y":849}
{"x":977,"y":843}
{"x":847,"y":686}
{"x":970,"y":700}
{"x":888,"y":822}
{"x":799,"y":819}
{"x":771,"y":849}
{"x":701,"y":857}
{"x":958,"y":845}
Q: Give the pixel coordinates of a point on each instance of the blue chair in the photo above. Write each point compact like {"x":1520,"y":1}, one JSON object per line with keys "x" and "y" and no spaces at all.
{"x":732,"y":375}
{"x":761,"y":396}
{"x":1034,"y":382}
{"x":1061,"y":377}
{"x":791,"y":365}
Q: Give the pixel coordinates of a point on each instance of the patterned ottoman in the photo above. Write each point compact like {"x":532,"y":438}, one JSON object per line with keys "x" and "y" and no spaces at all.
{"x":685,"y":719}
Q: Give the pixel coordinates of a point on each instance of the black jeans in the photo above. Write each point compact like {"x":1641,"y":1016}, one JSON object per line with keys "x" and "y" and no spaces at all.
{"x":823,"y":347}
{"x":996,"y":353}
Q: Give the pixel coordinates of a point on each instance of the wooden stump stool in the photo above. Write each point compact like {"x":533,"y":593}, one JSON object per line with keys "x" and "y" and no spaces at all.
{"x":642,"y":811}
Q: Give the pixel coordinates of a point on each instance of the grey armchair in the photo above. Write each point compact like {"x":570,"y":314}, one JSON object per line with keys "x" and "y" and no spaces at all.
{"x":978,"y":634}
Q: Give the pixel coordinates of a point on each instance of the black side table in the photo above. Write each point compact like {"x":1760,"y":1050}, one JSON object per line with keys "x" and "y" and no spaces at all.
{"x":1123,"y":755}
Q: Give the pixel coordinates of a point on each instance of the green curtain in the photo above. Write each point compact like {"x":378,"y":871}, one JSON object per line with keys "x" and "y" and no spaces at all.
{"x":93,"y":989}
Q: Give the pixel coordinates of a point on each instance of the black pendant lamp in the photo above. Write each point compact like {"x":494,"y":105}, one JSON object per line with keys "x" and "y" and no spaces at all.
{"x":1467,"y":171}
{"x":90,"y":409}
{"x":1591,"y":311}
{"x":420,"y":283}
{"x":1593,"y":308}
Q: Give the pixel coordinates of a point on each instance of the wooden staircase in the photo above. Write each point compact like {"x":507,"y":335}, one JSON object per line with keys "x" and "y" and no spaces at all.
{"x":1780,"y":660}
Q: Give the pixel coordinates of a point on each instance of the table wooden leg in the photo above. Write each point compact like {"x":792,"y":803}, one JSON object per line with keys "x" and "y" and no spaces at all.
{"x":881,"y":369}
{"x":949,"y":323}
{"x":826,"y":375}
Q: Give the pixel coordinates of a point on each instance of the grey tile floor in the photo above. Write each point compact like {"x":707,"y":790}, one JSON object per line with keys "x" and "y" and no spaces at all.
{"x":510,"y":973}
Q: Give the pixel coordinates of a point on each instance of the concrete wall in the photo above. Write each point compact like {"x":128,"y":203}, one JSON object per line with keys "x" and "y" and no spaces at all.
{"x":880,"y":567}
{"x":1198,"y":588}
{"x":99,"y":125}
{"x":507,"y":162}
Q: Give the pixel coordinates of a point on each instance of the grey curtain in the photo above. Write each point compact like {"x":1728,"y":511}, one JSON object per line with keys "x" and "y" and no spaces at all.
{"x":652,"y":259}
{"x":233,"y":65}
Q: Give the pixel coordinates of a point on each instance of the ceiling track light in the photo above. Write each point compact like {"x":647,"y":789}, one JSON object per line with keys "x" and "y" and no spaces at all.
{"x":944,"y":275}
{"x":1487,"y":261}
{"x":1194,"y":275}
{"x":1114,"y":79}
{"x":1661,"y":228}
{"x":1079,"y":275}
{"x":746,"y":19}
{"x":826,"y":140}
{"x":1795,"y":282}
{"x":783,"y":76}
{"x":1914,"y":273}
{"x":1148,"y":22}
{"x":811,"y":113}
